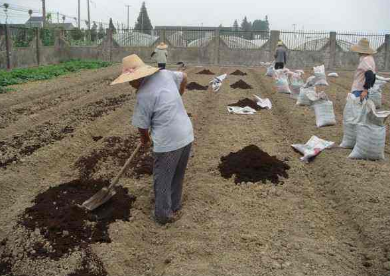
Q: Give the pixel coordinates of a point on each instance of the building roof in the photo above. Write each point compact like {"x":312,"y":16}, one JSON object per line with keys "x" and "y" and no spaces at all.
{"x":192,"y":28}
{"x":35,"y":19}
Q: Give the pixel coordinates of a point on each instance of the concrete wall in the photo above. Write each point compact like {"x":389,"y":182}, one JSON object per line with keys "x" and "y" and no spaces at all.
{"x":216,"y":52}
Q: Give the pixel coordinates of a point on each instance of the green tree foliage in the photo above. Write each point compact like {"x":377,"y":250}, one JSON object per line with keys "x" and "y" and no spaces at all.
{"x":262,"y":26}
{"x":143,"y":23}
{"x":77,"y":34}
{"x":94,"y":32}
{"x":23,"y":37}
{"x":236,"y":28}
{"x":111,"y":26}
{"x":246,"y":26}
{"x":101,"y":32}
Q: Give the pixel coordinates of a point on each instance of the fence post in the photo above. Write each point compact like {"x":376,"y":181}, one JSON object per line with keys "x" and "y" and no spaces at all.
{"x":273,"y":41}
{"x":217,"y":46}
{"x":387,"y":52}
{"x":332,"y":53}
{"x":38,"y":45}
{"x":110,"y":42}
{"x":7,"y":47}
{"x":163,"y":36}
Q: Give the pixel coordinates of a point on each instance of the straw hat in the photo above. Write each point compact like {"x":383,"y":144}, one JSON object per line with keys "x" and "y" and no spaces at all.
{"x":162,"y":46}
{"x":134,"y":68}
{"x":363,"y":47}
{"x":280,"y":43}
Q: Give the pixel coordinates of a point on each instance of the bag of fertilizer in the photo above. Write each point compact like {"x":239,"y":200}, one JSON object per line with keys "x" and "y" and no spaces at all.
{"x":312,"y":148}
{"x":310,"y":82}
{"x":320,"y":77}
{"x":270,"y":71}
{"x":370,"y":142}
{"x":370,"y":133}
{"x":307,"y":96}
{"x":333,"y":75}
{"x":351,"y":116}
{"x":375,"y":93}
{"x":296,"y":82}
{"x":281,"y":82}
{"x":324,"y":113}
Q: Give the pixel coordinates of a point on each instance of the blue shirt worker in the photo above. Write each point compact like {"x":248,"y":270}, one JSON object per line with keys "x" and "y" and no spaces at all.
{"x":160,"y":111}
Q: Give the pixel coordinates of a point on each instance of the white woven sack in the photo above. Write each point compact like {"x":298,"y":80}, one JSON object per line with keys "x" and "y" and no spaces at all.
{"x":270,"y":71}
{"x":324,"y":113}
{"x":282,"y":85}
{"x":352,"y":113}
{"x":349,"y":138}
{"x":376,"y":97}
{"x":307,"y":96}
{"x":370,"y":142}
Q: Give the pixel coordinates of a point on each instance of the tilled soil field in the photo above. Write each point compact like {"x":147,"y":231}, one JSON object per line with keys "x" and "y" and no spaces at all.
{"x":64,"y":139}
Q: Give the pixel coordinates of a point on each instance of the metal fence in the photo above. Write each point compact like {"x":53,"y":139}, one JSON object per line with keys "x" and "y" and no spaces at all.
{"x":187,"y":38}
{"x":304,"y":41}
{"x":346,"y":39}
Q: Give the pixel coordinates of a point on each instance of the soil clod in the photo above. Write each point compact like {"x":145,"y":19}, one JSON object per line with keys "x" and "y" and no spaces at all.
{"x":205,"y":72}
{"x":238,"y":73}
{"x":246,"y":102}
{"x":251,"y":164}
{"x":240,"y":84}
{"x":196,"y":86}
{"x":65,"y":225}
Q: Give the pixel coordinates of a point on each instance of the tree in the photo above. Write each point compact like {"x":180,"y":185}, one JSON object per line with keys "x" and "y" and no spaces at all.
{"x":236,"y":28}
{"x":94,"y":32}
{"x":111,"y":26}
{"x":262,"y":26}
{"x":101,"y":32}
{"x":246,"y":26}
{"x":143,"y":23}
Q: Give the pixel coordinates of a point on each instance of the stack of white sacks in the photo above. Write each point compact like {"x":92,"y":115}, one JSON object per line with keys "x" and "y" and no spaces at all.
{"x":364,"y":129}
{"x":319,"y":101}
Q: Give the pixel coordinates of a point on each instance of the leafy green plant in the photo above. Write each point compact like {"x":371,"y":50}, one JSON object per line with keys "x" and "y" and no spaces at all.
{"x":23,"y":75}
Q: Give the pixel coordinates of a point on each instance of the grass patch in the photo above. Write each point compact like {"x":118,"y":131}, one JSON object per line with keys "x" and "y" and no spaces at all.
{"x":18,"y":76}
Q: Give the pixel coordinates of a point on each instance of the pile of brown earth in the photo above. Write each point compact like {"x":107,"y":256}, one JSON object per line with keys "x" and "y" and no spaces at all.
{"x":238,"y":73}
{"x":205,"y":72}
{"x":196,"y":86}
{"x":246,"y":102}
{"x":241,"y":84}
{"x":251,"y":164}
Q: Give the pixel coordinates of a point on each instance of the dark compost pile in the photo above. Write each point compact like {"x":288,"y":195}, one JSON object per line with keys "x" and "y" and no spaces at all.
{"x":241,"y":84}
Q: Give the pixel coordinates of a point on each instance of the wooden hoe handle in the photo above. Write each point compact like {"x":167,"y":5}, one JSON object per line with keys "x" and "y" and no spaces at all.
{"x":125,"y":167}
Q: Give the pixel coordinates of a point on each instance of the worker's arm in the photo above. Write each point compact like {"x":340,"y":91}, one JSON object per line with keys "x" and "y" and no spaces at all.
{"x":145,"y":138}
{"x":370,"y":80}
{"x":152,"y":54}
{"x":183,"y":84}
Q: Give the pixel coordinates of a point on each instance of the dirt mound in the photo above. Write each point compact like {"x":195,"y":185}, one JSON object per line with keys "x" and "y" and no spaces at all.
{"x":251,"y":164}
{"x":196,"y":86}
{"x":59,"y":219}
{"x":117,"y":150}
{"x":241,"y":84}
{"x":205,"y":72}
{"x":238,"y":73}
{"x":246,"y":102}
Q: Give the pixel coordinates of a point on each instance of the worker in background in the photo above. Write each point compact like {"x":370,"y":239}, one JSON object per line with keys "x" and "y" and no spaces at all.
{"x":364,"y":77}
{"x":280,"y":56}
{"x":160,"y":54}
{"x":160,"y":111}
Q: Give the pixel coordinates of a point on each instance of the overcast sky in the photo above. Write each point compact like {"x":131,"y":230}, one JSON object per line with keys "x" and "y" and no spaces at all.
{"x":364,"y":15}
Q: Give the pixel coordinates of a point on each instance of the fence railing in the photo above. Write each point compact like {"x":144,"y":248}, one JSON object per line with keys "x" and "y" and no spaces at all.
{"x":188,"y":38}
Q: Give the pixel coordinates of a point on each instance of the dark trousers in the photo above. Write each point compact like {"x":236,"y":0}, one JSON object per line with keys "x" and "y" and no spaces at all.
{"x":161,"y":65}
{"x":279,"y":65}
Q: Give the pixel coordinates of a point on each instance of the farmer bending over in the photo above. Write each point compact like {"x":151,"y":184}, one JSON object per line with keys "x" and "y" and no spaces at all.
{"x":364,"y":77}
{"x":161,"y":111}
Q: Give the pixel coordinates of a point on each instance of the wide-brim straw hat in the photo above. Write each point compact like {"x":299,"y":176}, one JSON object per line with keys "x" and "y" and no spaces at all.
{"x":363,"y":47}
{"x":162,"y":46}
{"x":133,"y":68}
{"x":280,"y":43}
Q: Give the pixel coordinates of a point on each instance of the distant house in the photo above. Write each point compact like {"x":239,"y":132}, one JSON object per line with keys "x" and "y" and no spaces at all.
{"x":34,"y":22}
{"x":37,"y":22}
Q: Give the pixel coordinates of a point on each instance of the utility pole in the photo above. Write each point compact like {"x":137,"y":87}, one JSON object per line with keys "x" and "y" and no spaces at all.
{"x":78,"y":19}
{"x":128,"y":16}
{"x":44,"y":12}
{"x":89,"y":16}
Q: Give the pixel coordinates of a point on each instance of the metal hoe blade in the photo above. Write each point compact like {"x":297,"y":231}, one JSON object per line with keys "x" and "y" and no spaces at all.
{"x":98,"y":199}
